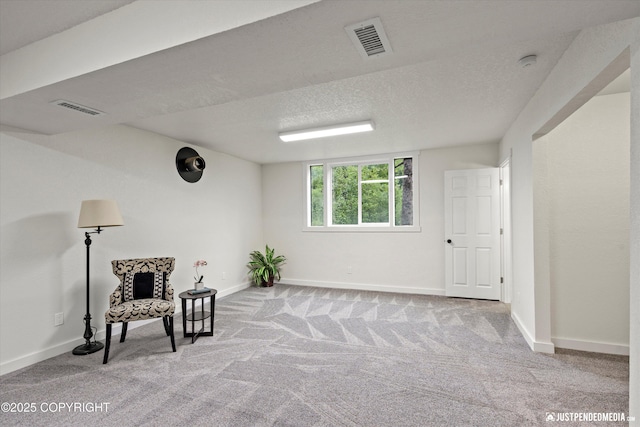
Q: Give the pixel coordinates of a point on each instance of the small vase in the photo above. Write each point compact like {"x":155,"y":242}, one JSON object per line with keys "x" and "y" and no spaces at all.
{"x":198,"y":286}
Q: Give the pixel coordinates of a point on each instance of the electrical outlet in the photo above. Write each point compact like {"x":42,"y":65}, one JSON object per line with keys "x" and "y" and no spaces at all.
{"x":224,"y":275}
{"x":58,"y":319}
{"x":349,"y":270}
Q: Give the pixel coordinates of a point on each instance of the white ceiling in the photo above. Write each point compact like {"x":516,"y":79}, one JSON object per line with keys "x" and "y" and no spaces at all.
{"x":453,"y":77}
{"x":24,"y":22}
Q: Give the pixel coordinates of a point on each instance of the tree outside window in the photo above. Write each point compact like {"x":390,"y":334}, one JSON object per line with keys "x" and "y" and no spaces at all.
{"x":361,"y":193}
{"x":317,"y":195}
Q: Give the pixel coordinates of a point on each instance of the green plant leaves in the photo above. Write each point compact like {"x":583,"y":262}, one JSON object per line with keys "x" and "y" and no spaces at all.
{"x":264,"y":266}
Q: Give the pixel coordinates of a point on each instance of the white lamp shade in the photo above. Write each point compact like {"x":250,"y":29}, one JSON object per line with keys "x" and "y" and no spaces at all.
{"x":99,"y":213}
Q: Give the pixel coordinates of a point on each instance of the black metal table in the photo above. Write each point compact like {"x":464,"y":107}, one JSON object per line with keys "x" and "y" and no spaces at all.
{"x":194,"y":316}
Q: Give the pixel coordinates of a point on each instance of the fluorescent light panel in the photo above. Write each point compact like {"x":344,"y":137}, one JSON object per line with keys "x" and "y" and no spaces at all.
{"x":344,"y":129}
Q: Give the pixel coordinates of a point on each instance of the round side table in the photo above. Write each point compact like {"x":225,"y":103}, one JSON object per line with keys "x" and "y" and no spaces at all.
{"x":194,"y":316}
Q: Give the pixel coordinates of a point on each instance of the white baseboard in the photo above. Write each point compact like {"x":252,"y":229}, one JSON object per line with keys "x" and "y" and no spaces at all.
{"x":567,"y":343}
{"x":591,"y":346}
{"x":39,"y":356}
{"x":67,"y":346}
{"x":362,"y":287}
{"x":537,"y":346}
{"x":233,"y":290}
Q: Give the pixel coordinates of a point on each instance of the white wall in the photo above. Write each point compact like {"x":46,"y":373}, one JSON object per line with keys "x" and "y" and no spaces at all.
{"x":594,"y":58}
{"x":586,"y":216}
{"x":634,"y":220}
{"x":399,"y":262}
{"x":43,"y":180}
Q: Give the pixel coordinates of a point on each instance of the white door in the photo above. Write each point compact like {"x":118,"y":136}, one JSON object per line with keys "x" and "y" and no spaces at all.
{"x":472,"y":233}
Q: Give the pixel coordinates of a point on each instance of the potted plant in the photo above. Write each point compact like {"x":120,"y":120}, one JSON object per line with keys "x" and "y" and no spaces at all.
{"x":264,"y":268}
{"x":199,"y":284}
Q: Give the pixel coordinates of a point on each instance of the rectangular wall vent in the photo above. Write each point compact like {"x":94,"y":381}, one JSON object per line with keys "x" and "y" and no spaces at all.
{"x":369,"y":38}
{"x":77,"y":107}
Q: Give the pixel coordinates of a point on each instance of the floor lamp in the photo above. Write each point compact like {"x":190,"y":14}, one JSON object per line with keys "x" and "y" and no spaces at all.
{"x":95,"y":214}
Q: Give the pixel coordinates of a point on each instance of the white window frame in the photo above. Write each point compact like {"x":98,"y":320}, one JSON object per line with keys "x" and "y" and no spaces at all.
{"x":361,"y":227}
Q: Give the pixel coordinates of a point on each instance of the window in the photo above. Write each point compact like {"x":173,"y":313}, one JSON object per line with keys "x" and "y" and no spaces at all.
{"x":317,"y":195}
{"x":376,"y":193}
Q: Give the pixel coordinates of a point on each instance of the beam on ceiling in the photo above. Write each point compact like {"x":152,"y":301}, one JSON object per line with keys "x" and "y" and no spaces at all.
{"x":132,"y":31}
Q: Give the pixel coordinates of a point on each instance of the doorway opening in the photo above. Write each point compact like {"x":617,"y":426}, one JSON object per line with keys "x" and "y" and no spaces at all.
{"x":581,"y":221}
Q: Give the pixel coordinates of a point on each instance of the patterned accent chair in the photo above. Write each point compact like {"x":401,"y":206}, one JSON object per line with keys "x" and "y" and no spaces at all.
{"x":144,"y":292}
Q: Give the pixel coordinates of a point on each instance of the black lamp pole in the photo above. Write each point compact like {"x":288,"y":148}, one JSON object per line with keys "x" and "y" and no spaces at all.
{"x":88,"y":347}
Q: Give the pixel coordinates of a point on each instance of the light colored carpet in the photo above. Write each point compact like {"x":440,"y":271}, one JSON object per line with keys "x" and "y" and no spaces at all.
{"x":301,"y":356}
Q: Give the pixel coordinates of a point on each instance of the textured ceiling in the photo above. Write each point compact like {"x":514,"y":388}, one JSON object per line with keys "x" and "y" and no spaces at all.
{"x":25,"y":22}
{"x":453,"y":77}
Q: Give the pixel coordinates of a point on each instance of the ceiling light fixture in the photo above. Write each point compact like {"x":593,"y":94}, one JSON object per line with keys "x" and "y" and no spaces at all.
{"x":322,"y":132}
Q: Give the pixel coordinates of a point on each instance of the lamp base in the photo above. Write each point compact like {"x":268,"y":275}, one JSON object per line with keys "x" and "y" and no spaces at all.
{"x":87,"y":348}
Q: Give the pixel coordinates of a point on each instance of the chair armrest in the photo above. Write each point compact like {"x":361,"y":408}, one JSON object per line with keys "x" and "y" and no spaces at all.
{"x":115,"y":298}
{"x":168,"y":292}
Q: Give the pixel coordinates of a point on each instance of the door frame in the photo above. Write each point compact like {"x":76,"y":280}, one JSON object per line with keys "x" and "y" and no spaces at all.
{"x":506,"y":254}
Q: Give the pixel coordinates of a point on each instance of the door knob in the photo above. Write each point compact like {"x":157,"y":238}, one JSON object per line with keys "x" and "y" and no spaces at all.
{"x":449,"y":241}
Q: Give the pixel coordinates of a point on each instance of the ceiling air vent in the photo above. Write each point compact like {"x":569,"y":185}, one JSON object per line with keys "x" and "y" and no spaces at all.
{"x":369,"y":38}
{"x":77,"y":107}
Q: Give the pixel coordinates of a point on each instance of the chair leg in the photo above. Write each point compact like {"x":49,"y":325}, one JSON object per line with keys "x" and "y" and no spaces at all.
{"x":123,"y":334}
{"x":107,"y":344}
{"x":173,"y":340}
{"x":165,"y":322}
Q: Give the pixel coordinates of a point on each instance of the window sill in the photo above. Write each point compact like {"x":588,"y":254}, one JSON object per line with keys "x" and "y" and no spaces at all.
{"x":363,"y":229}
